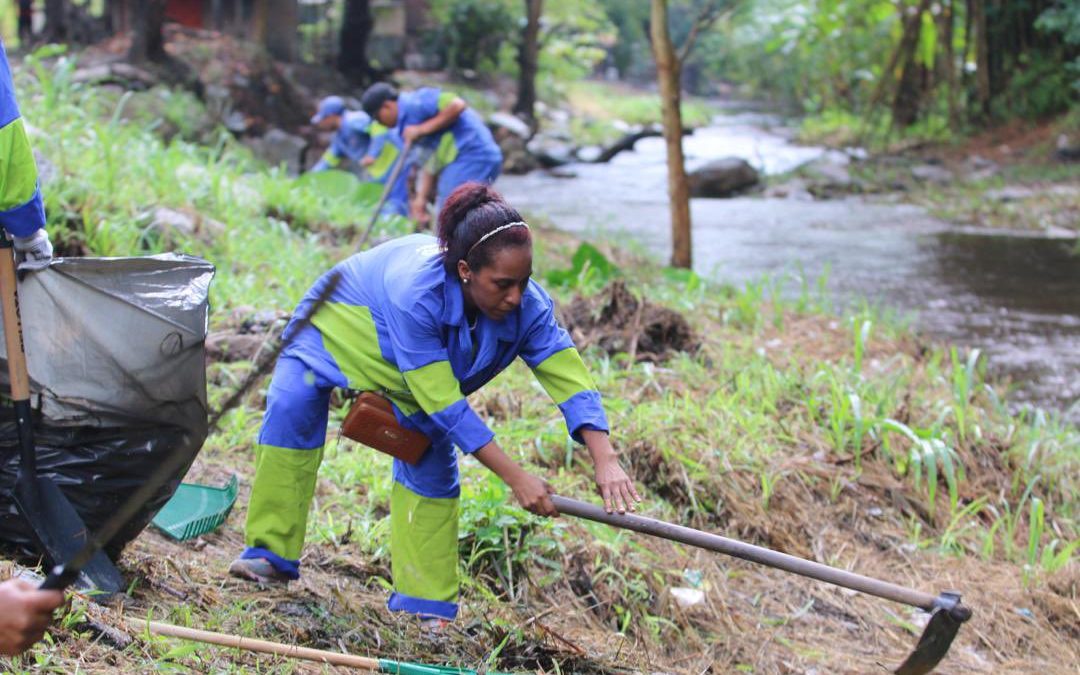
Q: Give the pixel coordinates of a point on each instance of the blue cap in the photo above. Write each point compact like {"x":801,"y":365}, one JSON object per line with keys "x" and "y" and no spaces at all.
{"x":331,"y":105}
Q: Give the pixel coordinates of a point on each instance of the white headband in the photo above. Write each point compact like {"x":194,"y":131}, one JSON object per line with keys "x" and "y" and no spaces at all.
{"x":481,"y":240}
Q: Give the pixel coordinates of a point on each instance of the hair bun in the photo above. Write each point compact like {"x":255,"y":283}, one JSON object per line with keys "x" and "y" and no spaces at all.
{"x":465,"y":198}
{"x":470,"y":212}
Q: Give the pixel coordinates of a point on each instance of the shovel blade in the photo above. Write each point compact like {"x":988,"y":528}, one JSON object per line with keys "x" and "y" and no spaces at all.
{"x":60,"y":533}
{"x":935,"y":641}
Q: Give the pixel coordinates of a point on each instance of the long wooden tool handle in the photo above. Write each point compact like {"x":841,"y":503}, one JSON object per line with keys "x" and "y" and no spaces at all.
{"x":13,"y":340}
{"x":263,"y":646}
{"x":738,"y":549}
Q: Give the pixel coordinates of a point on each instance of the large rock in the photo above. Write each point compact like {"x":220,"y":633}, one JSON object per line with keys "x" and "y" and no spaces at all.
{"x":512,"y":134}
{"x":830,"y":177}
{"x":931,"y":173}
{"x":507,"y":123}
{"x":174,"y":226}
{"x":550,"y":151}
{"x":125,"y":74}
{"x":1067,"y":150}
{"x":516,"y":157}
{"x":723,"y":178}
{"x":277,"y":147}
{"x":796,"y":189}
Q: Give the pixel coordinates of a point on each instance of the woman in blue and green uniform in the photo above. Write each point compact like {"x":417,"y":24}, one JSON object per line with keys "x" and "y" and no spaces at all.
{"x":367,"y":143}
{"x":456,"y":144}
{"x":425,"y":322}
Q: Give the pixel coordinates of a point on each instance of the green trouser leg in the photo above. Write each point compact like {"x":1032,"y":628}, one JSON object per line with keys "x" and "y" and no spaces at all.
{"x":424,"y":554}
{"x":281,"y":498}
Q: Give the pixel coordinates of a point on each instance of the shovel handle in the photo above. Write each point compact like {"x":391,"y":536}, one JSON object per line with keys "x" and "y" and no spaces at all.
{"x":758,"y":554}
{"x":16,"y":355}
{"x":13,"y":339}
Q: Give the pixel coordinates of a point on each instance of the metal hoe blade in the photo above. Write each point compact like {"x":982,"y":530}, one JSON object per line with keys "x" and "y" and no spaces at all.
{"x":937,"y":637}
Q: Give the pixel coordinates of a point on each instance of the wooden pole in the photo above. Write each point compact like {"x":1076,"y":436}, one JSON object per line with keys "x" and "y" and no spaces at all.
{"x":263,"y":646}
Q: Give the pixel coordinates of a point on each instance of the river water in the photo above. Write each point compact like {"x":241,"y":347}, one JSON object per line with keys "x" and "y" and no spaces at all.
{"x":1016,"y":298}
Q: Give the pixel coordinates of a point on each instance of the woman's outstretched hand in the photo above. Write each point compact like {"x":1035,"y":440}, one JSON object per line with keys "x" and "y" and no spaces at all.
{"x":612,"y":483}
{"x":615,"y":486}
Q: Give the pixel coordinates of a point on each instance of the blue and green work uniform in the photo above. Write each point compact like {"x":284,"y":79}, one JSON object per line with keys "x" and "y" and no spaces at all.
{"x":21,"y":210}
{"x":465,"y":151}
{"x":358,"y":137}
{"x":395,"y":323}
{"x":385,"y":148}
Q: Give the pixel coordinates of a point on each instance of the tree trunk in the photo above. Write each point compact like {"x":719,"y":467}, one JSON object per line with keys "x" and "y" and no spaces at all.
{"x":948,"y":22}
{"x":118,"y":14}
{"x":56,"y":26}
{"x":356,"y":25}
{"x":982,"y":57}
{"x":147,"y":40}
{"x":668,"y":69}
{"x":528,"y":59}
{"x":273,"y":25}
{"x":906,"y":101}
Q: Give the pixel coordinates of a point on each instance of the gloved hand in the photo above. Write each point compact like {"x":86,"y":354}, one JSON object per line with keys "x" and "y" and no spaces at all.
{"x":33,"y":252}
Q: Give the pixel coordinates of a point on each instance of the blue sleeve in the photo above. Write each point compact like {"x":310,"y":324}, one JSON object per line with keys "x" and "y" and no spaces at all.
{"x":557,"y":365}
{"x":21,"y":210}
{"x":427,"y":104}
{"x":424,"y":363}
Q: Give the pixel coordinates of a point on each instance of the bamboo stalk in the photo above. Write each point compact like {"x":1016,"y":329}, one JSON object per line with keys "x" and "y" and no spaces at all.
{"x":263,"y":646}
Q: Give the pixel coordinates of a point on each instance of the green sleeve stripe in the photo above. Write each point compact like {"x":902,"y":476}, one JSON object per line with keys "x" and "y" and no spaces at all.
{"x":434,"y":386}
{"x":445,"y":153}
{"x":330,"y":158}
{"x":563,"y":375}
{"x":18,"y":173}
{"x":445,"y":98}
{"x":385,"y":160}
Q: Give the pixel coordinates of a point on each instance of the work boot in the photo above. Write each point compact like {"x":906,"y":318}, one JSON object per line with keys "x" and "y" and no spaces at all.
{"x":258,"y":570}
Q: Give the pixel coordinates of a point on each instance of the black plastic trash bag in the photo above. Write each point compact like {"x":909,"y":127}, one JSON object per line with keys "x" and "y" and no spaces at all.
{"x":118,"y":378}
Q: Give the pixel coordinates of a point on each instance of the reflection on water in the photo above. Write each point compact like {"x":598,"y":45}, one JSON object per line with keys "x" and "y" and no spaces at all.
{"x":1017,"y":299}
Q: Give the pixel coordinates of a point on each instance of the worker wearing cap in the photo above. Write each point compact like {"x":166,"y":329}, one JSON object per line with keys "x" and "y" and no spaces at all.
{"x":361,"y":140}
{"x":459,"y":144}
{"x":22,"y":213}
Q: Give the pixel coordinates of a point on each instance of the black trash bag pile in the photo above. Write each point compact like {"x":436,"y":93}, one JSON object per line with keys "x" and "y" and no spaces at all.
{"x":118,"y":380}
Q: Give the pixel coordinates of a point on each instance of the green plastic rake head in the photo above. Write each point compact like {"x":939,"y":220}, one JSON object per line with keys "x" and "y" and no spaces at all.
{"x":196,"y":509}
